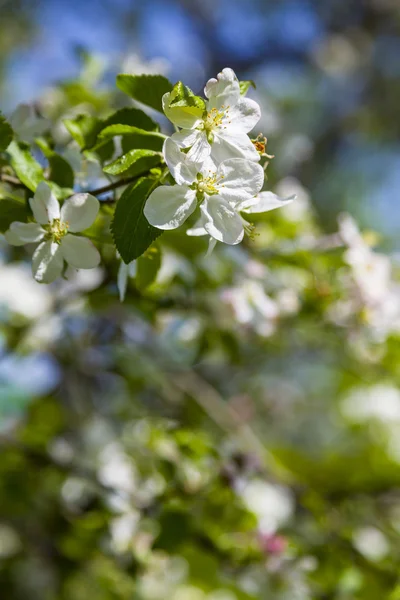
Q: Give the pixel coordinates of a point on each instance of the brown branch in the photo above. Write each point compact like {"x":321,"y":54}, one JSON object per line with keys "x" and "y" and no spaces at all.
{"x":11,"y":180}
{"x":111,"y":186}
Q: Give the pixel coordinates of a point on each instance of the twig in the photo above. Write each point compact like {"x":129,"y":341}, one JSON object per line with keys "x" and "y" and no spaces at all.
{"x":12,"y":180}
{"x":111,"y":186}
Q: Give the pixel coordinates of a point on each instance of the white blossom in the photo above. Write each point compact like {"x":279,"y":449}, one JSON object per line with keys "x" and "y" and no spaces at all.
{"x":25,"y":124}
{"x":54,"y":229}
{"x":222,"y":130}
{"x":262,"y":202}
{"x":221,"y":192}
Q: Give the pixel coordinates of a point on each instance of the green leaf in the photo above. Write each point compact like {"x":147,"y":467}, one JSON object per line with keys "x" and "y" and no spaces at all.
{"x":183,"y":96}
{"x":84,"y":129}
{"x":10,"y":211}
{"x":135,"y":161}
{"x":147,"y":267}
{"x":245,"y":86}
{"x":132,"y":233}
{"x":148,"y":89}
{"x":61,"y":171}
{"x":26,"y":167}
{"x":132,"y":116}
{"x":183,"y":106}
{"x":6,"y":133}
{"x":138,"y":138}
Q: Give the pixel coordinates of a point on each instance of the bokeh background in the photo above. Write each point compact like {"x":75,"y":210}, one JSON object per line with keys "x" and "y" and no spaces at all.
{"x":233,"y":433}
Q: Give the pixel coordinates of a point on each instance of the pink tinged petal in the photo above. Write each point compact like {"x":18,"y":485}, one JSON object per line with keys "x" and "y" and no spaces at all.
{"x":237,"y":145}
{"x":223,"y":223}
{"x":24,"y":233}
{"x":47,"y":262}
{"x":264,"y":202}
{"x":239,"y":179}
{"x":177,"y":163}
{"x":79,"y":252}
{"x":169,"y":206}
{"x":79,"y":211}
{"x":200,"y":150}
{"x":242,"y":117}
{"x":44,"y":205}
{"x":224,"y":90}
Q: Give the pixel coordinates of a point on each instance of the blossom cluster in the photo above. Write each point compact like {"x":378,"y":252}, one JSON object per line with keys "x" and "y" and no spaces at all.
{"x":215,"y":165}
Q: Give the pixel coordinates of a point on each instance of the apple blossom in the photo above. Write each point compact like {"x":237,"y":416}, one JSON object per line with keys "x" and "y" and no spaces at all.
{"x":54,"y":229}
{"x":221,"y":131}
{"x":220,"y":191}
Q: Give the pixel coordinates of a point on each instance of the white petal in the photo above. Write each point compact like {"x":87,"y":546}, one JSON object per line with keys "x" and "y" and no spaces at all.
{"x":122,"y":280}
{"x":79,"y":211}
{"x":212,"y":242}
{"x":79,"y":252}
{"x":224,"y":90}
{"x":242,"y":117}
{"x":169,"y":206}
{"x":200,"y":150}
{"x":47,"y":262}
{"x":263,"y":202}
{"x":198,"y":227}
{"x":237,"y":145}
{"x":223,"y":222}
{"x":44,"y":205}
{"x":181,"y":170}
{"x":24,"y":233}
{"x":183,"y":116}
{"x":185,"y":138}
{"x":239,"y":179}
{"x":20,"y":116}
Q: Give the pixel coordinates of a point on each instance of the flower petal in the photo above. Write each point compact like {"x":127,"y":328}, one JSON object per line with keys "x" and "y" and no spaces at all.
{"x":198,"y":227}
{"x":181,"y":170}
{"x":239,"y":179}
{"x":224,"y":90}
{"x":242,"y":117}
{"x":185,"y":138}
{"x":44,"y":205}
{"x":263,"y":202}
{"x":169,"y":206}
{"x":79,"y":252}
{"x":186,"y":117}
{"x":47,"y":262}
{"x":79,"y":211}
{"x":200,"y":150}
{"x":223,"y":222}
{"x":24,"y":233}
{"x":237,"y":145}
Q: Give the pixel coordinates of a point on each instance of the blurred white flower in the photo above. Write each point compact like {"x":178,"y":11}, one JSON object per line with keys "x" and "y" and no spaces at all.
{"x":54,"y":229}
{"x":21,"y":294}
{"x":252,"y":306}
{"x":123,"y":529}
{"x":133,"y":63}
{"x":371,"y":543}
{"x":299,"y":210}
{"x":116,"y":469}
{"x":272,"y":504}
{"x":381,"y":402}
{"x":377,"y":293}
{"x":26,"y":125}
